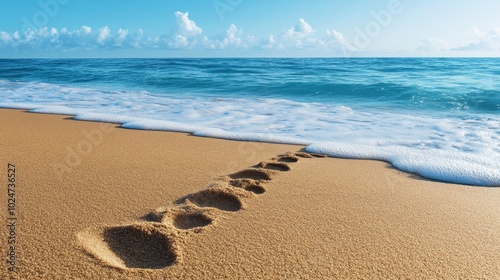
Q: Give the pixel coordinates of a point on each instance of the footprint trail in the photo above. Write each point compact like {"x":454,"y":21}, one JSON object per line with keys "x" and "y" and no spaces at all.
{"x":155,"y":241}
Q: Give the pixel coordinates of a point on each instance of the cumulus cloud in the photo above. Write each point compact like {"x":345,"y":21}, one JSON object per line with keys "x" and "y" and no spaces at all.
{"x":303,"y":36}
{"x":298,"y":36}
{"x":86,"y":30}
{"x":121,"y":36}
{"x":186,"y":34}
{"x":485,"y":41}
{"x":103,"y":35}
{"x":136,"y":39}
{"x":5,"y":37}
{"x":337,"y":36}
{"x":269,"y":43}
{"x":63,"y":39}
{"x":185,"y":26}
{"x":233,"y":38}
{"x":337,"y":42}
{"x":302,"y":29}
{"x":16,"y":35}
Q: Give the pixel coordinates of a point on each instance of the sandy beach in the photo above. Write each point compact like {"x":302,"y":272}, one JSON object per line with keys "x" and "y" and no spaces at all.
{"x":95,"y":201}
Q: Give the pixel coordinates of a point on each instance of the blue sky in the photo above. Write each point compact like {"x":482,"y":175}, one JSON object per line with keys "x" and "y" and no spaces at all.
{"x":208,"y":28}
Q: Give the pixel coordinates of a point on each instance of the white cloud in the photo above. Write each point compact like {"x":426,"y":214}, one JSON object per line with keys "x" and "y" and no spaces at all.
{"x":53,"y":32}
{"x":483,"y":42}
{"x":302,"y":29}
{"x":301,"y":38}
{"x":103,"y":35}
{"x":339,"y":37}
{"x":83,"y":38}
{"x":185,"y":26}
{"x":296,"y":37}
{"x":86,"y":30}
{"x":486,"y":41}
{"x":54,"y":35}
{"x":304,"y":36}
{"x":335,"y":41}
{"x":121,"y":36}
{"x":185,"y":35}
{"x":233,"y":36}
{"x":16,"y":36}
{"x":137,"y":39}
{"x":5,"y":38}
{"x":178,"y":41}
{"x":269,"y":43}
{"x":207,"y":43}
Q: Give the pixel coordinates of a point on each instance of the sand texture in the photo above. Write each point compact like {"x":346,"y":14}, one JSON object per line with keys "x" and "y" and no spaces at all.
{"x":94,"y":201}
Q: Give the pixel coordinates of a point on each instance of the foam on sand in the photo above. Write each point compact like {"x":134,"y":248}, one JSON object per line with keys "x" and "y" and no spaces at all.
{"x":18,"y":105}
{"x":60,"y":110}
{"x":256,"y":137}
{"x":109,"y":118}
{"x":458,"y":147}
{"x":434,"y":164}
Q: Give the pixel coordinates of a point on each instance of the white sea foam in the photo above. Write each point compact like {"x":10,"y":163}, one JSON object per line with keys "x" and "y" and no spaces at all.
{"x":60,"y":110}
{"x":23,"y":106}
{"x":109,"y":118}
{"x":160,"y":125}
{"x":256,"y":137}
{"x":461,"y":148}
{"x":431,"y":163}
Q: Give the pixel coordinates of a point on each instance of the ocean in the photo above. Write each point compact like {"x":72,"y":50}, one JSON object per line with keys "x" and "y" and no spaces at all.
{"x":436,"y":117}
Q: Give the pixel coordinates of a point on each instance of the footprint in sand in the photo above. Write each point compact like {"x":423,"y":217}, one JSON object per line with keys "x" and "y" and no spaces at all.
{"x":141,"y":245}
{"x":248,"y":185}
{"x":186,"y":218}
{"x":279,"y":166}
{"x":221,"y":198}
{"x":309,"y":155}
{"x":288,"y":159}
{"x":152,"y":244}
{"x":318,"y":155}
{"x":252,"y":173}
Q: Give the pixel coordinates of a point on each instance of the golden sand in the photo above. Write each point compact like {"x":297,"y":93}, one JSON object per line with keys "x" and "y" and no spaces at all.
{"x":94,"y":201}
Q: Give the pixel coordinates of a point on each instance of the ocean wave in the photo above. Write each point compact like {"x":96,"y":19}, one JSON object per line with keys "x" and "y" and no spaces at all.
{"x":444,"y":127}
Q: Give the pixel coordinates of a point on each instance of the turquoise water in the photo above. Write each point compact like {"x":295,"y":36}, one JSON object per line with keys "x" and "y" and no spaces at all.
{"x":436,"y":117}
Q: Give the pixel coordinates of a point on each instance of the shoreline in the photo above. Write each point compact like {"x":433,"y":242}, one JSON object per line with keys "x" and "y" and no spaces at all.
{"x":85,"y":187}
{"x":144,"y":124}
